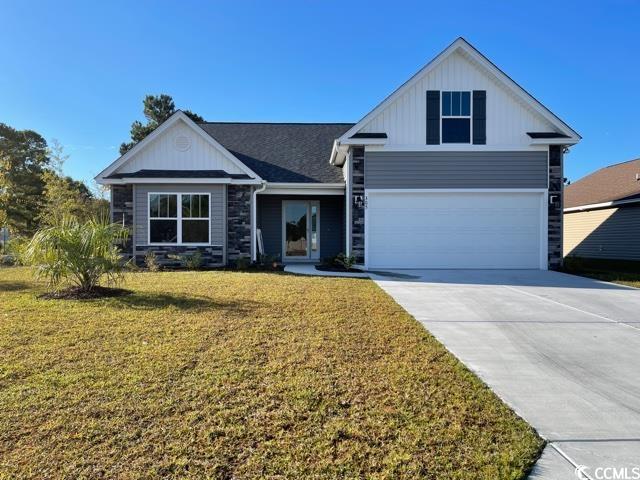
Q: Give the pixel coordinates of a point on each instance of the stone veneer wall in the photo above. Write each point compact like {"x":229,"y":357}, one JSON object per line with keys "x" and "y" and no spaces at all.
{"x":122,"y":212}
{"x":556,"y":184}
{"x":238,"y":229}
{"x":357,"y":213}
{"x":170,"y":256}
{"x":238,"y":221}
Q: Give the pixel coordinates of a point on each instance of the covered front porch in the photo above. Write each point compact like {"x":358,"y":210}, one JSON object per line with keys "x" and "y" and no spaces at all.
{"x":300,"y":227}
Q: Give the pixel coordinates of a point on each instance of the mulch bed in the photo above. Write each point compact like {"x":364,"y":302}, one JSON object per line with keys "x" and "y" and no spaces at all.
{"x":74,"y":293}
{"x":333,"y":268}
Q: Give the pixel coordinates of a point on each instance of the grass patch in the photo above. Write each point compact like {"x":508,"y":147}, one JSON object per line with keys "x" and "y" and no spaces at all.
{"x":241,"y":375}
{"x":622,"y":272}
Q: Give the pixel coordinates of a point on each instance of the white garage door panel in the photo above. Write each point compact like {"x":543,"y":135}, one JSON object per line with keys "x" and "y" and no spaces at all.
{"x":453,"y":230}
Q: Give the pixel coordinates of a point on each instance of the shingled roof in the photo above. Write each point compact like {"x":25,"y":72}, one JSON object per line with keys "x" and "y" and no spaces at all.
{"x":282,"y":152}
{"x":609,"y":184}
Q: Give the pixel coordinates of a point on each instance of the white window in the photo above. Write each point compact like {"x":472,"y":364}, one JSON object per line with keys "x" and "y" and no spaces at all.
{"x":456,"y":117}
{"x":179,"y":218}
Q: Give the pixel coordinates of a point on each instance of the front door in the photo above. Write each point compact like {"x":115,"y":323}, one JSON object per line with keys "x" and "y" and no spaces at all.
{"x":301,"y":230}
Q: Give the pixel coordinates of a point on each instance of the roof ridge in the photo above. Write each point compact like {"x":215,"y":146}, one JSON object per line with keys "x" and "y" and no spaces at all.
{"x":277,"y":123}
{"x":602,"y":169}
{"x":620,"y":163}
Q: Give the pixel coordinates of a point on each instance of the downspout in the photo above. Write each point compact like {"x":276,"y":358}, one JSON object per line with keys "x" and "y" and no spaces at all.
{"x":349,"y":201}
{"x":134,"y":228}
{"x":254,"y":217}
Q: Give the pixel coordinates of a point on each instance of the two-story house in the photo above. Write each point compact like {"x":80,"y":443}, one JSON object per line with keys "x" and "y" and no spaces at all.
{"x":459,"y":167}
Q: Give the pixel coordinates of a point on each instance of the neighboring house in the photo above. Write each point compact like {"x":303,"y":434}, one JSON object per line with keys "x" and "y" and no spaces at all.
{"x":602,"y":214}
{"x":458,"y":168}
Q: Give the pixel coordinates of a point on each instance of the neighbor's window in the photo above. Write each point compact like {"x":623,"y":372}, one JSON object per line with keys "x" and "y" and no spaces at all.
{"x":169,"y":224}
{"x":456,"y":117}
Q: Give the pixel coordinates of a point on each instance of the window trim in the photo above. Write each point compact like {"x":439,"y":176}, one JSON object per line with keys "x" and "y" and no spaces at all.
{"x":470,"y":117}
{"x":178,"y":219}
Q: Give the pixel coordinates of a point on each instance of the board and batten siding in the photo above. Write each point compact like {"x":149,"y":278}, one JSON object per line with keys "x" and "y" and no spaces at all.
{"x":217,"y":206}
{"x":523,"y":169}
{"x":611,"y":233}
{"x":507,"y":118}
{"x":165,"y":153}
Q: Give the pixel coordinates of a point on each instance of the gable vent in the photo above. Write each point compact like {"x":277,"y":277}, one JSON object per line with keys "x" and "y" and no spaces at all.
{"x":182,"y":143}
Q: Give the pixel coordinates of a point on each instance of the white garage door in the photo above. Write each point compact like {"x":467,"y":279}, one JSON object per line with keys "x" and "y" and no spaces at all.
{"x":454,"y":230}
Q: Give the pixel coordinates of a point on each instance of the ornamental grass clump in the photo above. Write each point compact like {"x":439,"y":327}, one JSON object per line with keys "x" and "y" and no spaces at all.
{"x":77,"y":254}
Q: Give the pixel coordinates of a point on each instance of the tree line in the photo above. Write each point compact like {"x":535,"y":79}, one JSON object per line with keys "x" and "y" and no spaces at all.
{"x":34,"y":191}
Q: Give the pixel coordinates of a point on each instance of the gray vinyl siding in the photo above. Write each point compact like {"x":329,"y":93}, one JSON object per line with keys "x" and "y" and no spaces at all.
{"x":611,"y":233}
{"x":456,"y":169}
{"x":332,"y":221}
{"x":218,"y":208}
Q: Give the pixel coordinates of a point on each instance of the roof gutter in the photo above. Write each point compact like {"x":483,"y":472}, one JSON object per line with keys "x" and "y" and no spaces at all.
{"x":307,"y":185}
{"x":595,"y":206}
{"x":214,"y":181}
{"x":337,"y":158}
{"x":555,"y":141}
{"x":341,"y":148}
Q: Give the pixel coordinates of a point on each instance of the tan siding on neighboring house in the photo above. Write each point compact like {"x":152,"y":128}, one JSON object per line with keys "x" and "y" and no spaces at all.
{"x":612,"y":233}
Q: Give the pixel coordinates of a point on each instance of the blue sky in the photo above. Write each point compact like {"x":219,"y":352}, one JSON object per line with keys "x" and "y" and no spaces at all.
{"x":77,"y":71}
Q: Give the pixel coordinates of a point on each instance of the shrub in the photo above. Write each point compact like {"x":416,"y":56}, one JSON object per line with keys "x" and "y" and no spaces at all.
{"x":573,"y":263}
{"x":345,"y":261}
{"x":328,"y":261}
{"x":7,"y":260}
{"x":151,"y":261}
{"x":14,"y":250}
{"x":242,"y":263}
{"x":269,"y":261}
{"x":74,"y":253}
{"x":192,"y":261}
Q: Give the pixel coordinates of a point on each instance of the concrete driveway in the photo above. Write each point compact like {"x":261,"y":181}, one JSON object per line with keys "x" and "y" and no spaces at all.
{"x":562,"y":351}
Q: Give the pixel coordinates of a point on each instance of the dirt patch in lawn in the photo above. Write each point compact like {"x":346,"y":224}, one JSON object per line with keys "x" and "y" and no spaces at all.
{"x":75,"y":293}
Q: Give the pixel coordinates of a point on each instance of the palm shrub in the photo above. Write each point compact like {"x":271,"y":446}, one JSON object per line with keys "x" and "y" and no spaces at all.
{"x":79,"y":254}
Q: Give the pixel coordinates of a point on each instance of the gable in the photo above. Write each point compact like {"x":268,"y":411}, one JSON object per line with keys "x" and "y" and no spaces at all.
{"x":180,"y":148}
{"x":178,"y":145}
{"x":510,"y":111}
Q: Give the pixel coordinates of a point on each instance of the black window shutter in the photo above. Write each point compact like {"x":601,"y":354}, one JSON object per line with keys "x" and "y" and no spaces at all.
{"x":479,"y":117}
{"x":433,"y":117}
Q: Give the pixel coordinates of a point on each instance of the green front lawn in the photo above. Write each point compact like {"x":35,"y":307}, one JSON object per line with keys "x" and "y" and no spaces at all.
{"x":240,"y":375}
